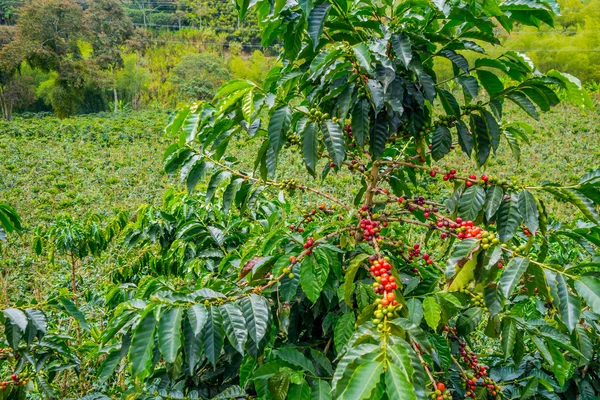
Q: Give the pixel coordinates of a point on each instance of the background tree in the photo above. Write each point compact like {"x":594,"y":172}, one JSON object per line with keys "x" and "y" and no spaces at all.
{"x":14,"y":89}
{"x":198,"y":76}
{"x":49,"y":33}
{"x":110,"y":28}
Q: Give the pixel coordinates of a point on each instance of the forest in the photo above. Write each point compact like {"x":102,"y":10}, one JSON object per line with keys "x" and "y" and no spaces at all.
{"x":313,"y":199}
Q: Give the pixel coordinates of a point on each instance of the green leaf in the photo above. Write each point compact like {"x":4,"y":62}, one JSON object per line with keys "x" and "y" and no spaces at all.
{"x":344,"y":328}
{"x":561,"y":366}
{"x":494,"y":197}
{"x":192,"y":345}
{"x":351,"y":355}
{"x":169,"y":333}
{"x":575,"y":92}
{"x":334,"y":141}
{"x":398,"y":384}
{"x":197,"y":315}
{"x":142,"y":346}
{"x":279,"y":384}
{"x":508,"y":220}
{"x":214,"y":183}
{"x":235,"y":326}
{"x":432,"y":311}
{"x":441,"y":350}
{"x":509,"y":337}
{"x":313,"y":277}
{"x":350,"y":274}
{"x":362,"y":382}
{"x":585,"y":205}
{"x":440,"y":142}
{"x":415,"y":311}
{"x":464,"y":277}
{"x":256,"y":311}
{"x":316,"y":21}
{"x":520,"y":99}
{"x":569,"y":306}
{"x":233,"y":86}
{"x":471,"y":202}
{"x":16,"y":317}
{"x":512,"y":275}
{"x":214,"y":335}
{"x":493,"y":129}
{"x":230,"y":192}
{"x":194,"y":171}
{"x":588,"y":287}
{"x":465,"y":139}
{"x":490,"y":82}
{"x":300,"y":392}
{"x":470,"y":87}
{"x":468,"y":321}
{"x":38,"y":320}
{"x":457,"y":59}
{"x":75,"y":312}
{"x":463,"y":252}
{"x":482,"y":138}
{"x":310,"y":146}
{"x":529,"y":210}
{"x":530,"y":389}
{"x":449,"y":103}
{"x":401,"y":46}
{"x":513,"y":142}
{"x":321,"y":390}
{"x":293,"y":356}
{"x":363,"y":56}
{"x":278,"y":127}
{"x":360,"y":121}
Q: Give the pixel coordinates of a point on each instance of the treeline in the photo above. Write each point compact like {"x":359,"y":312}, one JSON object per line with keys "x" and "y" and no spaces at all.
{"x":71,"y":57}
{"x":68,"y":57}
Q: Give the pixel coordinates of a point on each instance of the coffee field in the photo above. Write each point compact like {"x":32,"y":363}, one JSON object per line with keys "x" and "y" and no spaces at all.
{"x":390,"y":212}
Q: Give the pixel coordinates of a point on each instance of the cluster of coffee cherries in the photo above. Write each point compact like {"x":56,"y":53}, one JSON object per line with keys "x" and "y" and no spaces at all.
{"x":441,"y":393}
{"x":16,"y":380}
{"x":4,"y":353}
{"x":468,"y":230}
{"x":384,"y":285}
{"x":473,"y":178}
{"x":352,"y":145}
{"x":371,"y":229}
{"x":355,"y":165}
{"x":479,"y":373}
{"x":292,"y":140}
{"x":519,"y":249}
{"x":477,"y":299}
{"x":317,"y":115}
{"x":289,"y":185}
{"x":308,"y":245}
{"x":287,"y":270}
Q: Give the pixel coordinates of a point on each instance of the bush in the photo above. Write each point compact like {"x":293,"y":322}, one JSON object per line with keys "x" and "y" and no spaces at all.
{"x":198,"y":76}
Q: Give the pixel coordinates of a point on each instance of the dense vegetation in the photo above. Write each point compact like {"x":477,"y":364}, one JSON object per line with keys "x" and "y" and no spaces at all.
{"x":351,"y":224}
{"x":132,"y":61}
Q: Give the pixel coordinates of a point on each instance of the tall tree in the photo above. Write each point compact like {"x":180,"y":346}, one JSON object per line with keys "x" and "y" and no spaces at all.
{"x":48,"y":31}
{"x":13,"y":90}
{"x":110,"y":27}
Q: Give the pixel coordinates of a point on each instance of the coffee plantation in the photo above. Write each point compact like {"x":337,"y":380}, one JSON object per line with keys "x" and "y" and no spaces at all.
{"x":388,"y":291}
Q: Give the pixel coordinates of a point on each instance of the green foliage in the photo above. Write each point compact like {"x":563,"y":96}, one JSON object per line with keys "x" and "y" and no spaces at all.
{"x":397,"y":285}
{"x":197,"y":77}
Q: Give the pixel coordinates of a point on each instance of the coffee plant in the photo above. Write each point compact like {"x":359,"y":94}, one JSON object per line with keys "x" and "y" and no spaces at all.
{"x":425,"y":280}
{"x":9,"y":221}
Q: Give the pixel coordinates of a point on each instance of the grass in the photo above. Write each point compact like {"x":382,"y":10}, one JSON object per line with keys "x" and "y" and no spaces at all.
{"x":105,"y":163}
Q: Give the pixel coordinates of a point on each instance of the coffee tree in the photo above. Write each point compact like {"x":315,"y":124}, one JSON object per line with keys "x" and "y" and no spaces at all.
{"x":392,"y":290}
